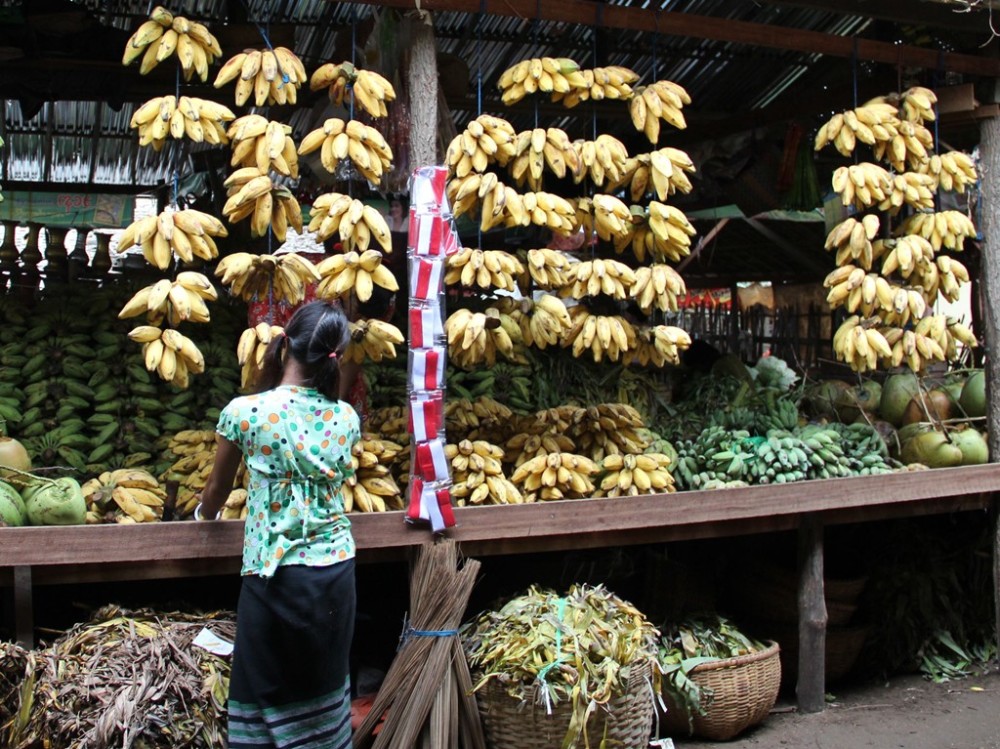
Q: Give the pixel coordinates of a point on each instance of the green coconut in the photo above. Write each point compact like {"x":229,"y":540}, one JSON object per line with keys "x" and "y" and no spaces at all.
{"x":822,"y":397}
{"x":58,"y":502}
{"x":13,"y":455}
{"x":931,"y":448}
{"x":897,"y":392}
{"x":973,"y":397}
{"x":858,"y":400}
{"x":972,"y":443}
{"x":12,"y":511}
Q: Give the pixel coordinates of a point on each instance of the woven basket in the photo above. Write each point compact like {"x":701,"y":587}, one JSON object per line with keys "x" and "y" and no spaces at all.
{"x":626,"y":721}
{"x":736,"y":692}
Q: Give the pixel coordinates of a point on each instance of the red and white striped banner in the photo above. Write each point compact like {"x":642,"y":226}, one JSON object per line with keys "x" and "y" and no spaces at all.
{"x":426,"y":329}
{"x":426,"y":369}
{"x":432,"y":462}
{"x":430,"y":504}
{"x":426,"y":417}
{"x":425,"y":279}
{"x":427,"y":191}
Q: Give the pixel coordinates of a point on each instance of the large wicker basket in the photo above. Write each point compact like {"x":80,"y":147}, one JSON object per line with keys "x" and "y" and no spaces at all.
{"x":625,"y":722}
{"x":736,"y":692}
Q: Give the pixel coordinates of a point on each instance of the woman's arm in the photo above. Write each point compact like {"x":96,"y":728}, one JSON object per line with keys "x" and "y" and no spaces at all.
{"x":220,"y":480}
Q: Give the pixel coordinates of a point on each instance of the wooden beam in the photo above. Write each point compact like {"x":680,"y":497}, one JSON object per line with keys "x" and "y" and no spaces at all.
{"x":691,"y":25}
{"x":900,"y":11}
{"x":811,"y":687}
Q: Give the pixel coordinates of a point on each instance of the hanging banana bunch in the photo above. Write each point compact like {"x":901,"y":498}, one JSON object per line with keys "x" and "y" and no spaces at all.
{"x":549,"y":269}
{"x":603,"y":335}
{"x":953,"y":170}
{"x":612,"y":82}
{"x":486,"y":269}
{"x":251,"y":348}
{"x":270,"y":76}
{"x":269,"y":206}
{"x":165,"y":34}
{"x":546,"y":74}
{"x":169,"y":353}
{"x":474,"y":338}
{"x":535,"y":149}
{"x":182,"y":299}
{"x":657,"y":287}
{"x":250,"y":276}
{"x":658,"y":345}
{"x":372,"y":339}
{"x":594,"y":277}
{"x":354,"y":222}
{"x":658,"y":101}
{"x":486,"y":140}
{"x":369,"y":90}
{"x":947,"y":229}
{"x":604,"y":160}
{"x":163,"y":117}
{"x":362,"y":144}
{"x":350,"y":271}
{"x":263,"y":144}
{"x":186,"y":233}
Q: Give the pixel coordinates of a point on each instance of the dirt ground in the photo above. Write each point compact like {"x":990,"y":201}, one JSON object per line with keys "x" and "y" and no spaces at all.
{"x":908,"y":712}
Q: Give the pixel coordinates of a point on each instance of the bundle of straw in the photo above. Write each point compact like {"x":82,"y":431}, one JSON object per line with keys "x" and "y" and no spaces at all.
{"x":426,"y":698}
{"x":13,"y":666}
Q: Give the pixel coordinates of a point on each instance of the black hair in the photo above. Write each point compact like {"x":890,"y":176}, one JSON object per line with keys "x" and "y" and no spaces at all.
{"x":315,"y":337}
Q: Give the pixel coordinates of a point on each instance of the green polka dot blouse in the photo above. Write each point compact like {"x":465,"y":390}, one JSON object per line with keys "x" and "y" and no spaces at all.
{"x":297,"y":447}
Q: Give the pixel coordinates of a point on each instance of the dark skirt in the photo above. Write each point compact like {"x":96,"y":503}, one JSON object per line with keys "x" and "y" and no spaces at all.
{"x":290,"y":686}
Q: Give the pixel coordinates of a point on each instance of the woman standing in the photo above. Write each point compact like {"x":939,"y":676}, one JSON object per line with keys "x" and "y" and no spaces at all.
{"x":290,"y":682}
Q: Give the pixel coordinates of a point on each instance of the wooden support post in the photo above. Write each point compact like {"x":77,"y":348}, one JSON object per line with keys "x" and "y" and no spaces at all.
{"x":423,"y":87}
{"x":24,"y":624}
{"x":811,"y":687}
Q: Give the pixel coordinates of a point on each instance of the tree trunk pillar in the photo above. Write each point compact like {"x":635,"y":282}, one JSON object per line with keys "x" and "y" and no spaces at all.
{"x":422,"y":77}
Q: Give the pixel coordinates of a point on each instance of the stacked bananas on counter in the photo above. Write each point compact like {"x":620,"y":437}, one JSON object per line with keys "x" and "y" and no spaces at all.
{"x":174,"y":301}
{"x":165,"y":34}
{"x":350,"y":271}
{"x":535,"y":439}
{"x":947,"y":229}
{"x":368,"y":89}
{"x":251,"y":276}
{"x":477,"y":474}
{"x":486,"y":140}
{"x":251,"y":347}
{"x":594,"y":277}
{"x":630,"y":475}
{"x":125,"y":495}
{"x":486,"y":269}
{"x":263,"y":144}
{"x":270,"y":206}
{"x":556,"y":475}
{"x":474,"y":338}
{"x":354,"y":222}
{"x":662,"y":100}
{"x":556,"y":75}
{"x":605,"y":336}
{"x":374,"y":339}
{"x":658,"y":345}
{"x":657,"y":286}
{"x":201,"y":120}
{"x":185,"y":233}
{"x":362,"y":144}
{"x":169,"y":353}
{"x":270,"y":76}
{"x":372,"y":488}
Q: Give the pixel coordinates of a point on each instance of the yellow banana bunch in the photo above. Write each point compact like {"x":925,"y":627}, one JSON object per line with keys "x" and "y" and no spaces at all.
{"x":251,"y":347}
{"x":665,"y":171}
{"x":475,"y":338}
{"x":362,"y":144}
{"x":486,"y":269}
{"x":251,"y":276}
{"x":169,"y":353}
{"x":604,"y":429}
{"x":165,"y":34}
{"x":499,"y":205}
{"x":545,"y":321}
{"x":268,"y":205}
{"x":163,"y":117}
{"x":235,"y":506}
{"x":874,"y":123}
{"x":335,"y":78}
{"x":858,"y":291}
{"x":662,"y":100}
{"x":268,"y":76}
{"x":917,"y":104}
{"x":909,"y":303}
{"x":544,"y":209}
{"x":612,"y":82}
{"x":556,"y":75}
{"x":630,"y":475}
{"x":947,"y":229}
{"x":930,"y":340}
{"x":125,"y":495}
{"x":953,"y":170}
{"x":527,"y":444}
{"x":466,"y":193}
{"x":906,"y":255}
{"x":909,"y":147}
{"x":910,"y":188}
{"x":372,"y":488}
{"x":174,"y":301}
{"x":370,"y":91}
{"x":486,"y":140}
{"x":852,"y":240}
{"x":607,"y":336}
{"x":351,"y":271}
{"x":193,"y":455}
{"x":859,"y":346}
{"x":354,"y":222}
{"x":951,"y":275}
{"x":264,"y":144}
{"x":555,"y":475}
{"x":612,"y":218}
{"x":187,"y":233}
{"x":549,"y":269}
{"x":535,"y":149}
{"x":671,"y":230}
{"x":463,"y":416}
{"x":593,"y":277}
{"x":604,"y":160}
{"x":372,"y":339}
{"x":657,"y":286}
{"x":862,"y":185}
{"x":658,"y":345}
{"x":477,"y":474}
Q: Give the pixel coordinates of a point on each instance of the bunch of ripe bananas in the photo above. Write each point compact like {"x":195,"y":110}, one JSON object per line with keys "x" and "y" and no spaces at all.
{"x":953,"y":170}
{"x":665,"y":169}
{"x":125,"y":495}
{"x":593,"y":277}
{"x":186,"y":233}
{"x":534,"y":440}
{"x":374,"y":339}
{"x":351,"y":271}
{"x":604,"y":160}
{"x":251,"y":347}
{"x":906,"y":254}
{"x":271,"y":76}
{"x":465,"y":417}
{"x":544,"y":209}
{"x":916,"y":104}
{"x":173,"y":301}
{"x":269,"y":205}
{"x":486,"y":269}
{"x":908,"y":147}
{"x":534,"y":149}
{"x":611,"y":82}
{"x":556,"y":75}
{"x":191,"y":453}
{"x":251,"y":276}
{"x":852,"y":240}
{"x":662,"y":100}
{"x":549,"y":269}
{"x":354,"y":222}
{"x":476,"y":337}
{"x":465,"y":193}
{"x":372,"y":487}
{"x":658,"y":345}
{"x":601,"y":430}
{"x":910,"y":188}
{"x":606,"y":215}
{"x":604,"y":335}
{"x":556,"y":475}
{"x":671,"y":231}
{"x":263,"y":144}
{"x":486,"y":140}
{"x":948,"y":229}
{"x":859,"y":291}
{"x":362,"y":144}
{"x":201,"y":120}
{"x":862,"y":185}
{"x":368,"y":89}
{"x":169,"y":353}
{"x":630,"y":475}
{"x":951,"y":275}
{"x":657,"y":286}
{"x":165,"y":34}
{"x":543,"y":321}
{"x":873,"y":123}
{"x":861,"y":346}
{"x":477,"y":474}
